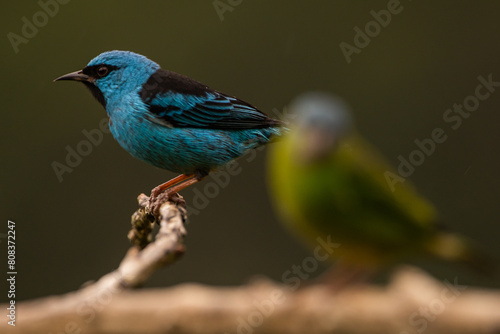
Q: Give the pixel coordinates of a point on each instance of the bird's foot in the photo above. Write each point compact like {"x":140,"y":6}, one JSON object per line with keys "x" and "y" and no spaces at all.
{"x":168,"y":191}
{"x":156,"y":192}
{"x":159,"y":195}
{"x":156,"y":200}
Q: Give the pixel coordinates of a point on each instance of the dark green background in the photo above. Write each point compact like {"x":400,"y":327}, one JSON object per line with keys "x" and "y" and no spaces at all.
{"x":424,"y":61}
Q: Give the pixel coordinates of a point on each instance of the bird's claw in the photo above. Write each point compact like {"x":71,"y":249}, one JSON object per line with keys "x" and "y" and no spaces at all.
{"x":157,"y":199}
{"x":156,"y":192}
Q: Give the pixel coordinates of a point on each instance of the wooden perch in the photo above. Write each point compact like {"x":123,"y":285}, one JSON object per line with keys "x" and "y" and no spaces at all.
{"x":412,"y":303}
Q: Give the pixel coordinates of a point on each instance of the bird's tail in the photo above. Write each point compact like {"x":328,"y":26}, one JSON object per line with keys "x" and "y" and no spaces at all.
{"x":273,"y":134}
{"x":280,"y":131}
{"x":454,"y":248}
{"x":254,"y":138}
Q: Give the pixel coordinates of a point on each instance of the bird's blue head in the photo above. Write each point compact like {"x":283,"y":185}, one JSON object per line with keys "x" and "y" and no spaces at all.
{"x":321,"y":121}
{"x":113,"y":74}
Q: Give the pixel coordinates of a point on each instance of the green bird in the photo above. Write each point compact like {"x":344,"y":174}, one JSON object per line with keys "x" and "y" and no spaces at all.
{"x":328,"y":182}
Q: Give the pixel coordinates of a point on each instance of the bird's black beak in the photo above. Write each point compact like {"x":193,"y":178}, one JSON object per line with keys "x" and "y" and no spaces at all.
{"x":75,"y":76}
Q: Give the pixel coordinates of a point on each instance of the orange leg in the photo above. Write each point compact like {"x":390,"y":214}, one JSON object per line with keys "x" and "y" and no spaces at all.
{"x":178,"y":187}
{"x":167,"y":189}
{"x":159,"y":189}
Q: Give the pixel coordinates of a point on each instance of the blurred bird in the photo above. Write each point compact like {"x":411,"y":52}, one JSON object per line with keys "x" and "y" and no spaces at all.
{"x":172,"y":121}
{"x":329,"y":183}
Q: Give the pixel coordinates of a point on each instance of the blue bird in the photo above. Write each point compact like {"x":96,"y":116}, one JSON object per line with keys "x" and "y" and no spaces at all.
{"x":171,"y":121}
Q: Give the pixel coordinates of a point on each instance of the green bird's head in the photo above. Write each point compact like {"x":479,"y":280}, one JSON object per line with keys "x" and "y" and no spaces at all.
{"x":321,"y":122}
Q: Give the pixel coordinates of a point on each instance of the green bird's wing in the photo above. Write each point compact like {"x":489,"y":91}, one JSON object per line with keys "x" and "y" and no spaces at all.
{"x":395,"y":212}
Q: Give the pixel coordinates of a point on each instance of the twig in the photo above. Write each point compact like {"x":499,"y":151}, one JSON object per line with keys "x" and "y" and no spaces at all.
{"x":141,"y":260}
{"x":145,"y":258}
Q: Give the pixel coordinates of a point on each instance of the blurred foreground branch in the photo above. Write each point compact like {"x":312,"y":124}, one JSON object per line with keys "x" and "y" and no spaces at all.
{"x":412,"y":303}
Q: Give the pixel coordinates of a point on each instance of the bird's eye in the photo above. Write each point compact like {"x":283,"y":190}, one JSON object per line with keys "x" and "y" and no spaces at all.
{"x":102,"y":71}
